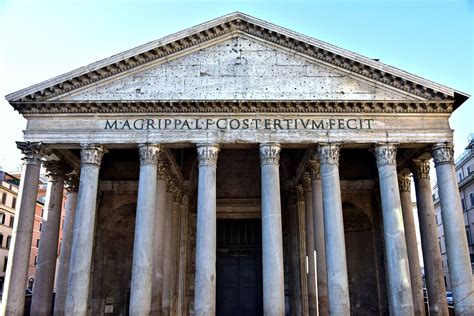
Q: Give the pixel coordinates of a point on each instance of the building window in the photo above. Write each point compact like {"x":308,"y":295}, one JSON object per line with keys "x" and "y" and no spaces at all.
{"x":37,"y":243}
{"x":9,"y":239}
{"x":4,"y":198}
{"x":468,"y":235}
{"x":12,"y":221}
{"x":30,"y":283}
{"x":41,"y":226}
{"x":460,"y":176}
{"x":1,"y":240}
{"x":14,"y":202}
{"x":36,"y":259}
{"x":471,"y":197}
{"x":2,"y":218}
{"x":463,"y":205}
{"x":5,"y":261}
{"x":468,"y":169}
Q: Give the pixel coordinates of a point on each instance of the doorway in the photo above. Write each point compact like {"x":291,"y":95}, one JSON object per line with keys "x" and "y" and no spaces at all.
{"x":239,"y":267}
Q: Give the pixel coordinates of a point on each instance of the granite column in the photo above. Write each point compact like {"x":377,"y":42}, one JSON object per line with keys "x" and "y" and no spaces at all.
{"x":454,"y":230}
{"x":72,"y":185}
{"x":272,"y":239}
{"x":434,"y":274}
{"x":338,"y":285}
{"x":311,"y":264}
{"x":142,"y":266}
{"x":41,"y":302}
{"x":404,"y":183}
{"x":319,"y":242}
{"x":205,"y":284}
{"x":77,"y":300}
{"x":13,"y":300}
{"x":398,"y":271}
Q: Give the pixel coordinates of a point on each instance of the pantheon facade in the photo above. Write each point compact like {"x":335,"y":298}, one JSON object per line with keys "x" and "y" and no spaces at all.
{"x":238,"y":168}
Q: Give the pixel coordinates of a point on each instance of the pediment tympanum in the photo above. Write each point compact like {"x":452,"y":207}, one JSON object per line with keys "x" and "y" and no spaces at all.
{"x":238,"y":68}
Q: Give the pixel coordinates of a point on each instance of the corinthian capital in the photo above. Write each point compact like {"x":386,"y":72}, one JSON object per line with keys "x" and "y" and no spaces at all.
{"x":56,"y":168}
{"x":92,"y":154}
{"x":148,"y":154}
{"x":270,"y":154}
{"x":72,"y":182}
{"x":421,"y":168}
{"x":329,"y":154}
{"x":299,"y":193}
{"x":306,"y":182}
{"x":207,"y":154}
{"x":312,"y":166}
{"x":32,"y":151}
{"x":443,"y":153}
{"x":385,"y":154}
{"x":163,"y":168}
{"x":404,"y":182}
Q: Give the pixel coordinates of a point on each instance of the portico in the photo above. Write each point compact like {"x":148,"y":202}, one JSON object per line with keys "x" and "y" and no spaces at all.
{"x":240,"y":121}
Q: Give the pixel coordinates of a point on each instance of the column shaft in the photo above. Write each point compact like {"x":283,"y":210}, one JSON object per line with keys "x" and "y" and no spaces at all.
{"x":205,"y":283}
{"x":399,"y":284}
{"x":41,"y":303}
{"x":183,"y":255}
{"x":166,"y":299}
{"x":311,"y":264}
{"x":434,"y":274}
{"x":77,"y":300}
{"x":416,"y":280}
{"x":175,"y":253}
{"x":13,"y":300}
{"x":338,"y":285}
{"x":302,"y":248}
{"x":158,"y":239}
{"x":319,"y":242}
{"x":272,"y":239}
{"x":454,"y":230}
{"x":142,"y":266}
{"x":72,"y":184}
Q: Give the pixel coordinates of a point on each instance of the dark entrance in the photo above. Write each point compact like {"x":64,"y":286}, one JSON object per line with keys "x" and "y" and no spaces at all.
{"x":239,"y":267}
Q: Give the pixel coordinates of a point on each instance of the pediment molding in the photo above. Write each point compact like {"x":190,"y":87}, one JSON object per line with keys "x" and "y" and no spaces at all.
{"x":237,"y":24}
{"x":226,"y":106}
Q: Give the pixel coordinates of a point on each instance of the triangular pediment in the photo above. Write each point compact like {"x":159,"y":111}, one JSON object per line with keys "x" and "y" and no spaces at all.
{"x":236,"y":57}
{"x":238,"y":68}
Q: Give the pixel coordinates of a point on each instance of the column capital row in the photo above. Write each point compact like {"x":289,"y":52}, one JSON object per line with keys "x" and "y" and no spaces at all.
{"x":149,"y":154}
{"x":33,"y":151}
{"x":442,"y":153}
{"x":270,"y":154}
{"x":56,"y":168}
{"x":207,"y":154}
{"x":91,"y":154}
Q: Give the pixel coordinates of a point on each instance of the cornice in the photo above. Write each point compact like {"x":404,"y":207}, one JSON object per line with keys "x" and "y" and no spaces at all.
{"x":223,"y":106}
{"x":235,"y":24}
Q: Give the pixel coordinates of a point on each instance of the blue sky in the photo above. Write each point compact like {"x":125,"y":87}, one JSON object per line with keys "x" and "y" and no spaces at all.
{"x":42,"y":39}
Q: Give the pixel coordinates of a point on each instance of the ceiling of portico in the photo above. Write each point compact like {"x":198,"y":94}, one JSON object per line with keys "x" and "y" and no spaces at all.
{"x":236,"y":57}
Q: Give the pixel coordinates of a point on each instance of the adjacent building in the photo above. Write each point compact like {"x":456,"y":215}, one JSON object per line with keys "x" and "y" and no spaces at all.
{"x":465,"y":180}
{"x":10,"y":183}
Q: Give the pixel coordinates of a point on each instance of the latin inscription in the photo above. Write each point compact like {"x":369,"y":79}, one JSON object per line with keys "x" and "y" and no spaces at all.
{"x":239,"y":124}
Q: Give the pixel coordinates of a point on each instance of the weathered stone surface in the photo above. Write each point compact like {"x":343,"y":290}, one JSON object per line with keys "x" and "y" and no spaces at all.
{"x":238,"y":68}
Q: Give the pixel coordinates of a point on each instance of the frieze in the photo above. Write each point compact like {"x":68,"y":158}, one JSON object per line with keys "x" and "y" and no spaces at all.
{"x":234,"y":106}
{"x":239,"y":124}
{"x":237,"y":25}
